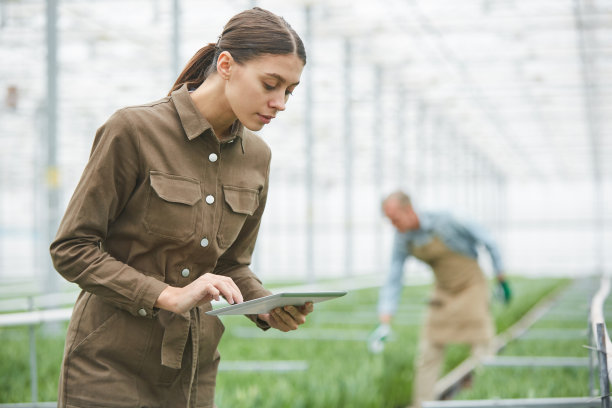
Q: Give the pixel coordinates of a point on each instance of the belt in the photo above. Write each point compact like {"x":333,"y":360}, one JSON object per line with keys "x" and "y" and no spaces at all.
{"x":176,"y":332}
{"x":174,"y":341}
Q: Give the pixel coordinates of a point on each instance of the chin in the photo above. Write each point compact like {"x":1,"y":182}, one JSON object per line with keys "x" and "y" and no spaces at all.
{"x":253,"y":127}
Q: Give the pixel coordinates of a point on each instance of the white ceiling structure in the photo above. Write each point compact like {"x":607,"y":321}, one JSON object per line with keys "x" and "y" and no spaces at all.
{"x":522,"y":88}
{"x":529,"y":82}
{"x":526,"y":81}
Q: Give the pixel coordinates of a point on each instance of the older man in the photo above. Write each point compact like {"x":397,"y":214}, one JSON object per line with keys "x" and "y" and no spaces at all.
{"x":459,"y":306}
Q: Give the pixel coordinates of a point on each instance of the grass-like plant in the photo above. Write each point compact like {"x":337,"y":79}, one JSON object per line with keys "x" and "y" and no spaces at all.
{"x":340,"y":370}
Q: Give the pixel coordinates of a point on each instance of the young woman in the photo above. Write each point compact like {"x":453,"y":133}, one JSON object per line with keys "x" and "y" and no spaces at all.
{"x":164,"y":220}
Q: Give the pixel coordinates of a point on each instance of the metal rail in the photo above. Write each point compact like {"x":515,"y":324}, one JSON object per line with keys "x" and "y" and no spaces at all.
{"x":52,"y":313}
{"x":601,"y":339}
{"x":451,"y":383}
{"x":597,"y":335}
{"x":597,"y":317}
{"x":518,"y":403}
{"x":597,"y":329}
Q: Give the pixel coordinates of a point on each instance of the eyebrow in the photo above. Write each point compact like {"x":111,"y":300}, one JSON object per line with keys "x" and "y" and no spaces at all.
{"x":280,"y":78}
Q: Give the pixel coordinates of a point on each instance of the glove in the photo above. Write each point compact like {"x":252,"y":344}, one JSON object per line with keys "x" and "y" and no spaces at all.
{"x":505,"y":294}
{"x":376,"y":340}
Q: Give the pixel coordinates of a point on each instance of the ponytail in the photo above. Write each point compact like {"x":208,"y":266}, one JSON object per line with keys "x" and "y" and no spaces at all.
{"x":247,"y":35}
{"x":197,"y":69}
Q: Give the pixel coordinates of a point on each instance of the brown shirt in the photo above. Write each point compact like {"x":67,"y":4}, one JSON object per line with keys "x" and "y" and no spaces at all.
{"x":161,"y":202}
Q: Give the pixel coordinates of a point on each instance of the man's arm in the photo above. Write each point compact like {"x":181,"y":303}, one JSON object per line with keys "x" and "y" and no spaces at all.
{"x":390,"y":292}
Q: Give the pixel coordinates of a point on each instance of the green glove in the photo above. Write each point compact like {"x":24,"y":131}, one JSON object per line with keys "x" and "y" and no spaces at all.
{"x":376,"y":340}
{"x":505,"y":292}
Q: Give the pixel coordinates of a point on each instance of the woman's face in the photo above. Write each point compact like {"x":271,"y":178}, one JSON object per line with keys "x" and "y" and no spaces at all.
{"x":258,"y":89}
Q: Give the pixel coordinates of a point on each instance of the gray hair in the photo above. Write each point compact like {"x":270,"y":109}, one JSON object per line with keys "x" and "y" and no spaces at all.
{"x":402,"y":198}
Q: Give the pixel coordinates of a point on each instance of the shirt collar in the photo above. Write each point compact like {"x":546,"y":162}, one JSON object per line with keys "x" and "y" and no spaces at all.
{"x":425,"y":220}
{"x":194,"y":123}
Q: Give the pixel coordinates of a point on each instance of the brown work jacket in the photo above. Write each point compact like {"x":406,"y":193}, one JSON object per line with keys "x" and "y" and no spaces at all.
{"x":161,"y":202}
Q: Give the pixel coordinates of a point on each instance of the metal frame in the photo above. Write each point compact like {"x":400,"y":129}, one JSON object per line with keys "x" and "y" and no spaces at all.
{"x":518,"y":403}
{"x":597,"y":335}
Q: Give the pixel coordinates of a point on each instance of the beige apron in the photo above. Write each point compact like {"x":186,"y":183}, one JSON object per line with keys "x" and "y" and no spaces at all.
{"x":459,"y":306}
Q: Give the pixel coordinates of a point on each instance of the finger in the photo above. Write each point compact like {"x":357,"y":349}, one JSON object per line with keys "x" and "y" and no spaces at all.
{"x":296,"y":314}
{"x":212,"y":291}
{"x":230,"y":292}
{"x":234,"y":288}
{"x":227,"y":287}
{"x":285,"y":318}
{"x":237,"y":294}
{"x":278,"y":323}
{"x":307,"y":308}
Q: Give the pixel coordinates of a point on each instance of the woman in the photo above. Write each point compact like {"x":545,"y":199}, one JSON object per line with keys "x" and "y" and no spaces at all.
{"x":164,"y":220}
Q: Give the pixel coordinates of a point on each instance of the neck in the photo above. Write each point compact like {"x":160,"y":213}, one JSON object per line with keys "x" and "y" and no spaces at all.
{"x":209,"y":99}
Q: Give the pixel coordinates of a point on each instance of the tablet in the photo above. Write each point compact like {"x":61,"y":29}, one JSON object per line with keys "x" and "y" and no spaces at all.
{"x":267,"y":303}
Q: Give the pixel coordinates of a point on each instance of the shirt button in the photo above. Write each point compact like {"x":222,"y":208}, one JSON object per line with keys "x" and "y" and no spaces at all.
{"x":213,"y":157}
{"x":185,"y":272}
{"x":142,"y":312}
{"x":210,"y":199}
{"x":204,"y":243}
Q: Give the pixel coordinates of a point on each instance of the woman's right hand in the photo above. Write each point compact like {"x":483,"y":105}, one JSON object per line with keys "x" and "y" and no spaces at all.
{"x":204,"y":289}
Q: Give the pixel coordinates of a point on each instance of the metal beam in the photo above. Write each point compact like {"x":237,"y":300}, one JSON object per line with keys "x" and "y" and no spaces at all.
{"x":532,"y":361}
{"x":378,"y":159}
{"x":309,"y":146}
{"x":594,"y":134}
{"x":52,"y":171}
{"x":555,"y":334}
{"x":535,"y":112}
{"x":518,"y":403}
{"x":448,"y":384}
{"x":348,"y":158}
{"x":258,"y":366}
{"x":472,"y":89}
{"x":175,"y":47}
{"x":303,"y":334}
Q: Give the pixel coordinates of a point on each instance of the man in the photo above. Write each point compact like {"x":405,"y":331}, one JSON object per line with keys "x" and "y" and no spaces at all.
{"x":459,"y":306}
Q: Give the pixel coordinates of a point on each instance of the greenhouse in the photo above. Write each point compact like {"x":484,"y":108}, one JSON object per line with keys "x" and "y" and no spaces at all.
{"x":477,"y":133}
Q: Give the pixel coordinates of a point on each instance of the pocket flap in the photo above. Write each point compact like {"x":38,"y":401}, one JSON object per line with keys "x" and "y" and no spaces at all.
{"x":176,"y":189}
{"x":241,"y":199}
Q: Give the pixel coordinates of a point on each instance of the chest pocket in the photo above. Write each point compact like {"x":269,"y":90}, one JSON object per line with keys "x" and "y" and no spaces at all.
{"x":171,"y":206}
{"x":239,"y":203}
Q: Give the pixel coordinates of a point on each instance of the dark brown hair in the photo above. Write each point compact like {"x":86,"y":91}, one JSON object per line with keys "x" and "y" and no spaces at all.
{"x":246,"y":36}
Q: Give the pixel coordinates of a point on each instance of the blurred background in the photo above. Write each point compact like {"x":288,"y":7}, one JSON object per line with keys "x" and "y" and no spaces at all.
{"x":499,"y":111}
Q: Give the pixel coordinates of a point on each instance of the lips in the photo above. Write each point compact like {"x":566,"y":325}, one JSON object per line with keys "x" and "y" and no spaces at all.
{"x":265,"y":118}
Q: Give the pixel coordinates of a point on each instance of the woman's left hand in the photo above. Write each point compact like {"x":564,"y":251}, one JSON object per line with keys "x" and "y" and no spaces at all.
{"x":287,"y":318}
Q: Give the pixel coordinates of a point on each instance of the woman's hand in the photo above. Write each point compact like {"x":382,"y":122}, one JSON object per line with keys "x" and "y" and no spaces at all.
{"x":288,"y":317}
{"x":204,"y":289}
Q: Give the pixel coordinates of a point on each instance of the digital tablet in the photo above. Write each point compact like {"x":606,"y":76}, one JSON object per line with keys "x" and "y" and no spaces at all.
{"x":267,"y":303}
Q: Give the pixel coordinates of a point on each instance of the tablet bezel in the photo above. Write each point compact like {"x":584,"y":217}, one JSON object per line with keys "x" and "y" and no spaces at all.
{"x":267,"y":303}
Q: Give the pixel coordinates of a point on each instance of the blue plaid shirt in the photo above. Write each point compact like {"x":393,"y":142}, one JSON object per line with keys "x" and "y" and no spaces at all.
{"x":461,"y":237}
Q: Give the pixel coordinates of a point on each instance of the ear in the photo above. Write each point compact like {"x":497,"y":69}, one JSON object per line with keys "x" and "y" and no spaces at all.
{"x":225,"y":62}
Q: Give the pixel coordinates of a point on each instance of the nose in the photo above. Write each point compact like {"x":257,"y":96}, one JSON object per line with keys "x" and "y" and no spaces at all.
{"x":278,"y":102}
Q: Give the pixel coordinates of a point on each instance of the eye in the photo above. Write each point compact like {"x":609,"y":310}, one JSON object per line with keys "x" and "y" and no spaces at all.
{"x":268,"y":87}
{"x":288,"y":92}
